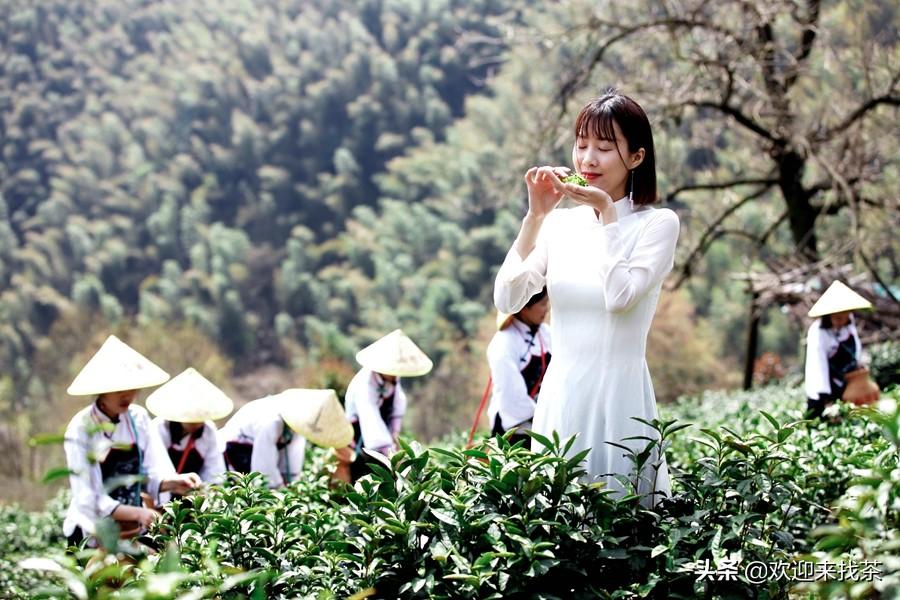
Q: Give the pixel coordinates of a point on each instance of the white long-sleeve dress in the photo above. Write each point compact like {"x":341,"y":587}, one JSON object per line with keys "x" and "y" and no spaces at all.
{"x":604,"y":282}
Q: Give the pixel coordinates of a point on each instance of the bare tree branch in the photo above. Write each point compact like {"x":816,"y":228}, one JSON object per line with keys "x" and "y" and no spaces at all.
{"x":857,"y":114}
{"x":766,"y":59}
{"x":722,"y":185}
{"x":764,"y":238}
{"x":570,"y":86}
{"x":713,"y":232}
{"x":824,"y":186}
{"x":736,"y":114}
{"x":807,"y":38}
{"x":877,"y":277}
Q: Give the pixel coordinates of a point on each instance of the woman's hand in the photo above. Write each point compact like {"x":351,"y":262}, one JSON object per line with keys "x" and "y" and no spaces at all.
{"x":145,"y":516}
{"x":589,"y":196}
{"x":545,"y":190}
{"x":181,"y":484}
{"x":138,"y":514}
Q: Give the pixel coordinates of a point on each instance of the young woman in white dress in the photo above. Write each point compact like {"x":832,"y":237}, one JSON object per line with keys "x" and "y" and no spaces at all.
{"x":603,"y":263}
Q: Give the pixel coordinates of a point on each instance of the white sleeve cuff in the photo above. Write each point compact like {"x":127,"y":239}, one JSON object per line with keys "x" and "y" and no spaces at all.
{"x":515,"y":283}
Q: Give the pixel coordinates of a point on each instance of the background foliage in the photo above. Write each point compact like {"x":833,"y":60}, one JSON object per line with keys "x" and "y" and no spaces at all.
{"x":271,"y":185}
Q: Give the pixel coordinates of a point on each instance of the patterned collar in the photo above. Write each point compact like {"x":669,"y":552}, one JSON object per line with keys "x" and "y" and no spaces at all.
{"x":524,"y":328}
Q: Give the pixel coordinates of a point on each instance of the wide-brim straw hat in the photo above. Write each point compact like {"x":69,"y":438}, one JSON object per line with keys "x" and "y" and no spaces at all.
{"x":838,"y":298}
{"x":395,"y":354}
{"x":116,"y":367}
{"x":317,"y":415}
{"x":189,"y":397}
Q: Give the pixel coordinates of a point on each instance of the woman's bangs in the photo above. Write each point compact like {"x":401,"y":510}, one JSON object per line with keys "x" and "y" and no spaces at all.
{"x":596,"y":121}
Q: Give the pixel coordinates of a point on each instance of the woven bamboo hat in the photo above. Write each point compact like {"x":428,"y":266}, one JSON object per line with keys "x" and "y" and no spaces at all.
{"x":189,"y":397}
{"x":116,"y":367}
{"x":838,"y":298}
{"x":317,"y":415}
{"x":395,"y":354}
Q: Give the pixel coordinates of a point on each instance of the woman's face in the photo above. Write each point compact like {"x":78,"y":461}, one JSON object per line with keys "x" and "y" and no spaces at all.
{"x":536,"y":313}
{"x":189,"y":428}
{"x":840,"y":319}
{"x":116,"y":403}
{"x":601,"y":162}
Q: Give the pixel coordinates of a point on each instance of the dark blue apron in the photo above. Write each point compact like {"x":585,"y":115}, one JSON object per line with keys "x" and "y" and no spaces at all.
{"x":188,"y":459}
{"x":239,"y":455}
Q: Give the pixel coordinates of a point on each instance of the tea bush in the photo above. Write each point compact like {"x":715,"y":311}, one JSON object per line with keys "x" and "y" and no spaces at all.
{"x":821,"y":455}
{"x":752,"y":481}
{"x":23,"y":534}
{"x":884,"y":364}
{"x":296,"y":534}
{"x":867,"y":528}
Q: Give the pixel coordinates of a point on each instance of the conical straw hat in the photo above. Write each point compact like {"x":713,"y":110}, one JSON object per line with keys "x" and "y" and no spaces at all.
{"x":838,"y":298}
{"x":317,"y":415}
{"x":116,"y":367}
{"x":503,"y":320}
{"x":189,"y":398}
{"x":394,"y":354}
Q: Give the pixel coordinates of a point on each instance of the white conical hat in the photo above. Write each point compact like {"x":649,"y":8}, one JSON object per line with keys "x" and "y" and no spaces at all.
{"x":838,"y":298}
{"x":317,"y":415}
{"x":189,"y":398}
{"x":394,"y":354}
{"x":116,"y":367}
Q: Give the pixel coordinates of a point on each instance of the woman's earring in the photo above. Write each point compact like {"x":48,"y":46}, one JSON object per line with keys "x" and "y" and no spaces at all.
{"x":631,"y":191}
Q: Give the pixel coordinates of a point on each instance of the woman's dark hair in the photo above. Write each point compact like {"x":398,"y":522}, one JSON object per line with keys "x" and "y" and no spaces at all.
{"x":597,"y":118}
{"x":176,"y":431}
{"x":536,"y":298}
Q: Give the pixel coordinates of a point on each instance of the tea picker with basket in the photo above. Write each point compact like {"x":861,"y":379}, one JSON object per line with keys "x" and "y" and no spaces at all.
{"x":834,"y":368}
{"x":118,"y":465}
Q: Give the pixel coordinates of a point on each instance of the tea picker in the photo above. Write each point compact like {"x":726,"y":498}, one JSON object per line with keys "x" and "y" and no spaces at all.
{"x":269,"y":435}
{"x":112,"y":451}
{"x":518,"y":356}
{"x":375,"y":401}
{"x":834,"y":368}
{"x":185,"y":409}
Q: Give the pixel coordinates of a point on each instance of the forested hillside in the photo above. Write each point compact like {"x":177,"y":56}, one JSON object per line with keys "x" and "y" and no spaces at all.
{"x":187,"y":162}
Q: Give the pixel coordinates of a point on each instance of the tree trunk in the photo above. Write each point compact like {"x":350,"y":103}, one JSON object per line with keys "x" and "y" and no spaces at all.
{"x":752,"y":340}
{"x":801,"y":214}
